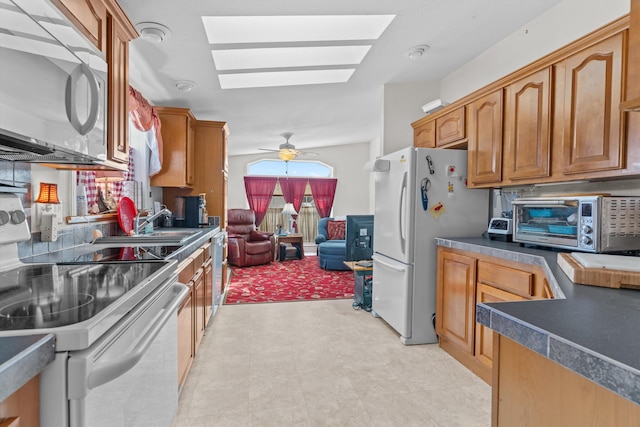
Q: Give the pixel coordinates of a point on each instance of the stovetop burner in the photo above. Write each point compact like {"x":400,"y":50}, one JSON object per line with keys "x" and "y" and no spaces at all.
{"x":35,"y":296}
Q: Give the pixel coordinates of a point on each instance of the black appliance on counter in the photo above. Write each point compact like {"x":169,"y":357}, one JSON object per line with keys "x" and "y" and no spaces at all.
{"x":187,"y":213}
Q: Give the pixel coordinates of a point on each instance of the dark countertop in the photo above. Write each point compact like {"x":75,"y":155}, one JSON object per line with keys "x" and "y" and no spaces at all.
{"x":22,"y":358}
{"x":77,"y":252}
{"x":593,"y":331}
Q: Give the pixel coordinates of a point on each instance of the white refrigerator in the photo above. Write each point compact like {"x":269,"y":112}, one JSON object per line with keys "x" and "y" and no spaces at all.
{"x":420,"y":194}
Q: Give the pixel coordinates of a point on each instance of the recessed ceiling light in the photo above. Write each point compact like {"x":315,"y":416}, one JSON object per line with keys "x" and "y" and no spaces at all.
{"x":273,"y":29}
{"x":153,"y":32}
{"x":280,"y":57}
{"x":283,"y":78}
{"x":185,"y":85}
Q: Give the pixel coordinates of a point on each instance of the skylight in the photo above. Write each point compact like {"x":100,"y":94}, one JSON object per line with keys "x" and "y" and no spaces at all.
{"x":261,"y":48}
{"x":243,"y":59}
{"x":284,"y":78}
{"x":305,"y":28}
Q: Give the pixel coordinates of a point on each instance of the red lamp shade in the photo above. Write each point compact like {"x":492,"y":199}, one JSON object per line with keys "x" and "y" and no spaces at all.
{"x":48,"y":193}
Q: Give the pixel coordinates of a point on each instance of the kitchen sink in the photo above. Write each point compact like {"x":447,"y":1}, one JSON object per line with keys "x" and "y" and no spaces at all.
{"x":158,"y":237}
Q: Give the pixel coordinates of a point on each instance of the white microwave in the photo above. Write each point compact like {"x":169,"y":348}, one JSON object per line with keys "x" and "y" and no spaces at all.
{"x":53,"y":87}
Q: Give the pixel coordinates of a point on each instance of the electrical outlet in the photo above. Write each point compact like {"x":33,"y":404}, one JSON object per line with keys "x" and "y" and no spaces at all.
{"x":49,"y":228}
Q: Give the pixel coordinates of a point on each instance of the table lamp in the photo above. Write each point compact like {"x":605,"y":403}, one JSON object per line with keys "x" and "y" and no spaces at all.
{"x":289,"y":210}
{"x":47,"y":202}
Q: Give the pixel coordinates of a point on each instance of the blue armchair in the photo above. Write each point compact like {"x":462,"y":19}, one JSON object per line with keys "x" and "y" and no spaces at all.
{"x":331,"y":253}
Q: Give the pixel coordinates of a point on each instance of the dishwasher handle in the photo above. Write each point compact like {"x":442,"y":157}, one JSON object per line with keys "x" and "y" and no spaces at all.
{"x":108,"y":371}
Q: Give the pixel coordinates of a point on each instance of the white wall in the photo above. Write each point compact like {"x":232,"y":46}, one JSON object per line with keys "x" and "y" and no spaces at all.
{"x":401,"y":107}
{"x":557,"y":27}
{"x":352,"y":197}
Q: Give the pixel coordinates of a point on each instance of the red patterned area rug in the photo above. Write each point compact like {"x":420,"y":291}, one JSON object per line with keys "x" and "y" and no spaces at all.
{"x":291,"y":280}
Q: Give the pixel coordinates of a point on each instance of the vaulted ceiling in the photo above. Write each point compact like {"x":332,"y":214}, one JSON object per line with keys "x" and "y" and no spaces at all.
{"x":451,"y":33}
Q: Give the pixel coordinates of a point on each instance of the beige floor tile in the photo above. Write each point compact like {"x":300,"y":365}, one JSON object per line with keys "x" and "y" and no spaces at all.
{"x":338,"y":413}
{"x":321,"y":363}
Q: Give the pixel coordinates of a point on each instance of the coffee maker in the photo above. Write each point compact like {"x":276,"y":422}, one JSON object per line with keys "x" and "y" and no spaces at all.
{"x":187,"y":212}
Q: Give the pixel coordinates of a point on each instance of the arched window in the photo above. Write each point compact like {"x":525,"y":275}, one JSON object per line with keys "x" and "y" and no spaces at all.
{"x":297,"y":168}
{"x":307,"y":221}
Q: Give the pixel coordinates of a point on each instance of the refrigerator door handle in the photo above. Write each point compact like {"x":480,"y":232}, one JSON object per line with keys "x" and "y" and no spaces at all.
{"x":402,"y":209}
{"x":390,"y":266}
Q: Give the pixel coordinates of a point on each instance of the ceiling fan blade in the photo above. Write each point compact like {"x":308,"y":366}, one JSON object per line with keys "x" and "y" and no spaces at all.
{"x":269,"y":149}
{"x":307,"y":153}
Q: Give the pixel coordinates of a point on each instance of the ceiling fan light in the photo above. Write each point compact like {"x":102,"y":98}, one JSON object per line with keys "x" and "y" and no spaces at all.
{"x":286,"y":155}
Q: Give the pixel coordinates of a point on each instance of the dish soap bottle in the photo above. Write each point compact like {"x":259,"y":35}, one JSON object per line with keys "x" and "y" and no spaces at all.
{"x":204,"y":216}
{"x":82,"y":207}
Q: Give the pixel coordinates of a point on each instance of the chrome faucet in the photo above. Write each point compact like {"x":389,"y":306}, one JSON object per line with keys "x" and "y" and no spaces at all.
{"x":137,"y":224}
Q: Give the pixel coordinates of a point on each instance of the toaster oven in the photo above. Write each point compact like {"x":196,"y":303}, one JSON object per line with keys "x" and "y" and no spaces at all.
{"x":589,"y":223}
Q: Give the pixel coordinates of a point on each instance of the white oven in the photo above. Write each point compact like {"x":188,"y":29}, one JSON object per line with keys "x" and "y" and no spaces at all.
{"x":115,"y":325}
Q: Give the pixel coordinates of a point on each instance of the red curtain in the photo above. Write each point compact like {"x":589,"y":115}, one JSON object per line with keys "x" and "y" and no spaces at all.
{"x":323,"y":191}
{"x":293,"y":192}
{"x":259,"y":192}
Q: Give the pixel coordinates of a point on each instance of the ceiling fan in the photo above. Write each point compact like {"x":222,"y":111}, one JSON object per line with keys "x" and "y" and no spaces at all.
{"x":287,"y":151}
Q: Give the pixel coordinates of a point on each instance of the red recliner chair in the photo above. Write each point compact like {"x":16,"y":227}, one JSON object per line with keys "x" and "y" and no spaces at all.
{"x":247,"y":245}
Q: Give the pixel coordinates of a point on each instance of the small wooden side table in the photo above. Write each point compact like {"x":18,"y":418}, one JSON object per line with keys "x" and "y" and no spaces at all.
{"x":362,"y":285}
{"x":295,"y":240}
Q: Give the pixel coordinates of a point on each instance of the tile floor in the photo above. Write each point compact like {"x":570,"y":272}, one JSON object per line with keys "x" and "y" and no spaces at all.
{"x":322,"y":363}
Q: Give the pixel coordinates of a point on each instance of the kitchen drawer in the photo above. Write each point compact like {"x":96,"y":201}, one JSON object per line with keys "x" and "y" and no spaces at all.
{"x":198,"y":258}
{"x":186,"y":270}
{"x":515,"y":281}
{"x":208,"y":252}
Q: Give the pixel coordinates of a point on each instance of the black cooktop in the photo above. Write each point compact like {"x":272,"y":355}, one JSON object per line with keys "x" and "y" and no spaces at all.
{"x":132,"y":253}
{"x":35,"y":296}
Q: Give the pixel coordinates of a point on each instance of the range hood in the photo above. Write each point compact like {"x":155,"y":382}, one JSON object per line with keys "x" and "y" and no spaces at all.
{"x":18,"y":148}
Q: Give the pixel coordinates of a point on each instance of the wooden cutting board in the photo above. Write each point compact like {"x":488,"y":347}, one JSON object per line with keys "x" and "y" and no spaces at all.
{"x":605,"y":277}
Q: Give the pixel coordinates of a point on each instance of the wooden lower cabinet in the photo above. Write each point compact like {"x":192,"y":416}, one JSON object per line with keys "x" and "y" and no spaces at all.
{"x":464,"y":279}
{"x":208,"y":291}
{"x":185,"y":343}
{"x":22,"y":408}
{"x":484,"y":335}
{"x":531,"y":390}
{"x":198,"y":289}
{"x":192,"y":314}
{"x":455,"y":306}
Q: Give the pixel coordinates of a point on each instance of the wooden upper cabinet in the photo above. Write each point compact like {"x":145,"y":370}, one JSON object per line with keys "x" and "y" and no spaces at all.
{"x":632,"y":101}
{"x":210,"y":143}
{"x":527,"y":127}
{"x":450,"y":127}
{"x":485,"y":140}
{"x":593,"y":137}
{"x":120,"y":31}
{"x":177,"y":128}
{"x":89,"y":16}
{"x":424,"y":135}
